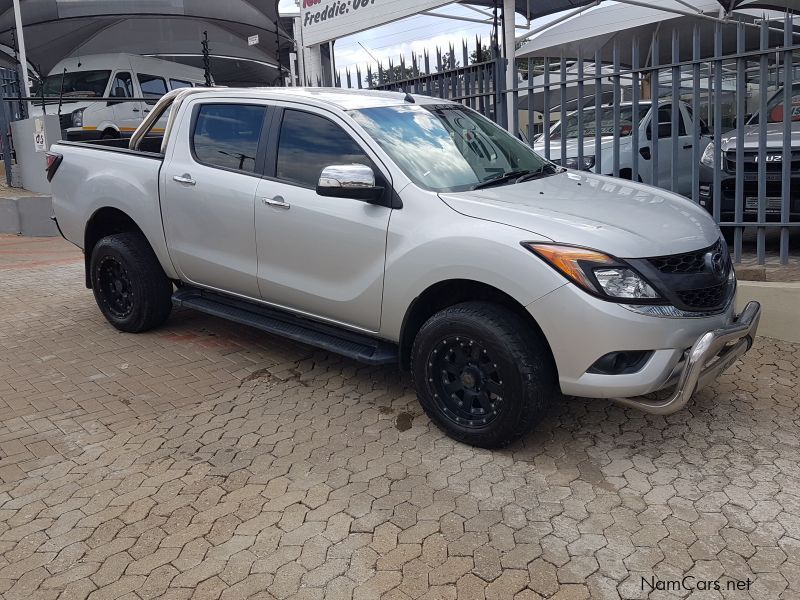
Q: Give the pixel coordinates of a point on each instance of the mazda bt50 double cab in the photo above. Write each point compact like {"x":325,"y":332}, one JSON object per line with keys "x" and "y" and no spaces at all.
{"x":396,"y":228}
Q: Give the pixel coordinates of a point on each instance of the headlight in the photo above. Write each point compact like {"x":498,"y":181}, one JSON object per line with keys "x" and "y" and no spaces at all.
{"x":624,"y":283}
{"x":77,"y":117}
{"x":710,"y":155}
{"x":572,"y":163}
{"x":587,"y":162}
{"x":595,"y":272}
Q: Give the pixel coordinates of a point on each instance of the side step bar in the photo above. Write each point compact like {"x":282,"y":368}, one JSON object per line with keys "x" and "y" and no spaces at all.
{"x":359,"y":347}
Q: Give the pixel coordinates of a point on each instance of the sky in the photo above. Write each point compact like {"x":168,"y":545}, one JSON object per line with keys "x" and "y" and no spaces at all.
{"x":411,"y":35}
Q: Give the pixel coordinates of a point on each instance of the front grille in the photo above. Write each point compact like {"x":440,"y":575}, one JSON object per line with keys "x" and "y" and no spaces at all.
{"x":709,"y":297}
{"x":689,"y":262}
{"x":65,"y":121}
{"x":692,"y":281}
{"x":773,"y":161}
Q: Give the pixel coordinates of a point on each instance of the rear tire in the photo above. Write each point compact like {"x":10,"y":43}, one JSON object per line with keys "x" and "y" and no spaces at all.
{"x":129,"y":285}
{"x":482,"y":374}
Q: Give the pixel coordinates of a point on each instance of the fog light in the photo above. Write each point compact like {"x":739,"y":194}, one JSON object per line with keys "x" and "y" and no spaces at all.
{"x":621,"y":363}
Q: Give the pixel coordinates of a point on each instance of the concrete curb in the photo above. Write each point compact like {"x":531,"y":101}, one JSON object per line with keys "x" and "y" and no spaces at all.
{"x":780,"y":307}
{"x":27,"y":215}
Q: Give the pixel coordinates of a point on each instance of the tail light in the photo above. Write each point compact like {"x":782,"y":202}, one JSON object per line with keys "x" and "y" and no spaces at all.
{"x":53,"y":160}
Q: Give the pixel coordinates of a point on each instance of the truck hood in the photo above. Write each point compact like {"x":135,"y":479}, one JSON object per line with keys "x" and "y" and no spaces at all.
{"x":775,"y":135}
{"x":619,"y":217}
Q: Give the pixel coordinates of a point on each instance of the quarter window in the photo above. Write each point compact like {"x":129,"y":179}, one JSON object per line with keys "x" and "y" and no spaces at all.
{"x":309,"y":143}
{"x":227,"y":135}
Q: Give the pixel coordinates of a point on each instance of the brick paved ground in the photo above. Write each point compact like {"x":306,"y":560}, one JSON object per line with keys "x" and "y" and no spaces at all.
{"x":207,"y":460}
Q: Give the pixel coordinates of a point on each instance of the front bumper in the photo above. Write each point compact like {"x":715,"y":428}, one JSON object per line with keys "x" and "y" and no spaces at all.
{"x":774,"y":194}
{"x":581,"y":328}
{"x":710,"y":355}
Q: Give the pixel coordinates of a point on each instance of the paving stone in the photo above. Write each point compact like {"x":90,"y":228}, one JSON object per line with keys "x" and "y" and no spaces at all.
{"x":209,"y":460}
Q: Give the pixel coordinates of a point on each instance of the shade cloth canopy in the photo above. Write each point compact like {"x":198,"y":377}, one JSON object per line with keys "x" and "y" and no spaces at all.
{"x":535,"y":9}
{"x":55,"y":29}
{"x":597,"y":30}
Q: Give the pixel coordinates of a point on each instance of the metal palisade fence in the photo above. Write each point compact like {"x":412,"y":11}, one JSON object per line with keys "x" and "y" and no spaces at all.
{"x":710,"y":111}
{"x":475,"y":79}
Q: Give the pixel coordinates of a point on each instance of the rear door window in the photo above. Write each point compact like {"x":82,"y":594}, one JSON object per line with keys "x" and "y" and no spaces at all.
{"x":227,"y":135}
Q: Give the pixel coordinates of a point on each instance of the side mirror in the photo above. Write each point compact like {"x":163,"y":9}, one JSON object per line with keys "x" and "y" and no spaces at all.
{"x":349,"y":181}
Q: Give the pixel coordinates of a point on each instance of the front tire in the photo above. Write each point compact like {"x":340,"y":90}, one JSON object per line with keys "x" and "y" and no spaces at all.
{"x":482,"y":374}
{"x":129,"y":285}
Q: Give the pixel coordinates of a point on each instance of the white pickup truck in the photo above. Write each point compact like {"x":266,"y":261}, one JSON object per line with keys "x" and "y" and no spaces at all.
{"x":648,"y":160}
{"x":396,"y":228}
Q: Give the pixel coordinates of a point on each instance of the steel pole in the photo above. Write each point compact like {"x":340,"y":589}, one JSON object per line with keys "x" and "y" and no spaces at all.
{"x":23,"y":59}
{"x":510,"y":51}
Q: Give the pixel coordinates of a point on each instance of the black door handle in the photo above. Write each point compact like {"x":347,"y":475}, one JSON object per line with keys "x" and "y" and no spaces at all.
{"x":687,"y":146}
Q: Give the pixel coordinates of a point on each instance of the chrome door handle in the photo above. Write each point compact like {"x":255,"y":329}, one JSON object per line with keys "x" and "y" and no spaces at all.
{"x":277,"y":202}
{"x":185,"y":178}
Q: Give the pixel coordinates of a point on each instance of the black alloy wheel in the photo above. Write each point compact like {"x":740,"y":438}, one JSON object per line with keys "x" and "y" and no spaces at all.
{"x":116,"y":286}
{"x":467,"y":382}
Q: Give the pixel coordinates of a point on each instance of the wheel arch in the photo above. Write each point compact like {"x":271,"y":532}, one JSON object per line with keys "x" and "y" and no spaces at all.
{"x":448,"y":293}
{"x":112,"y":131}
{"x":105,"y":221}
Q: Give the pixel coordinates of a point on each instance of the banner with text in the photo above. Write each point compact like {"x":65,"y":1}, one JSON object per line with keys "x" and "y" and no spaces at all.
{"x":325,"y":20}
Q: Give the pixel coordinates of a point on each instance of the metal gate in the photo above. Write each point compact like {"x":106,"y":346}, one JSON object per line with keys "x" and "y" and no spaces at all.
{"x":597,"y":112}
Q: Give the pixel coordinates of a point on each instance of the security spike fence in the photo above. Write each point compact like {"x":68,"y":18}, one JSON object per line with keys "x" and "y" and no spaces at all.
{"x":475,"y":78}
{"x":721,"y":76}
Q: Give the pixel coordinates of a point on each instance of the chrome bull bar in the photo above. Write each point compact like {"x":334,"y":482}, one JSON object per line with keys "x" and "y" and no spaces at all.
{"x":710,"y":355}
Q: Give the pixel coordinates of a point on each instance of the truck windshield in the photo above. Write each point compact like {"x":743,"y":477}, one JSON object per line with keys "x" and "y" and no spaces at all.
{"x":447,"y":147}
{"x":606,"y":122}
{"x":80,"y":83}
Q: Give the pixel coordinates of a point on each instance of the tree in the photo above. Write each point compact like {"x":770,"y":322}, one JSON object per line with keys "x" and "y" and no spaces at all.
{"x":449,"y":62}
{"x":397,"y":73}
{"x":482,"y":54}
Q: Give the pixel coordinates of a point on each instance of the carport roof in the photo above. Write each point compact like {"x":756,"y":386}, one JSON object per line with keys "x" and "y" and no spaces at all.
{"x":591,"y":31}
{"x":541,"y":8}
{"x":55,"y":29}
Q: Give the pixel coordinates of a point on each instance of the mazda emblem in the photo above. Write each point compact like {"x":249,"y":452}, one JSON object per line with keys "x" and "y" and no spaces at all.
{"x":715,"y":263}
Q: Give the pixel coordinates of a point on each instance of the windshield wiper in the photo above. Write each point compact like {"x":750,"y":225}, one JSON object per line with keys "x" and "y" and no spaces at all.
{"x":548,"y":169}
{"x":502,"y":178}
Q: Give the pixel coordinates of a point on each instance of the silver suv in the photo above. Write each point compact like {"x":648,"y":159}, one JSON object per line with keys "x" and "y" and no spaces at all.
{"x":403,"y":229}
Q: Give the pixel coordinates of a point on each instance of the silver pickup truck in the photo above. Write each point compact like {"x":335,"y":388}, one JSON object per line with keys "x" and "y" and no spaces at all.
{"x":393,"y":228}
